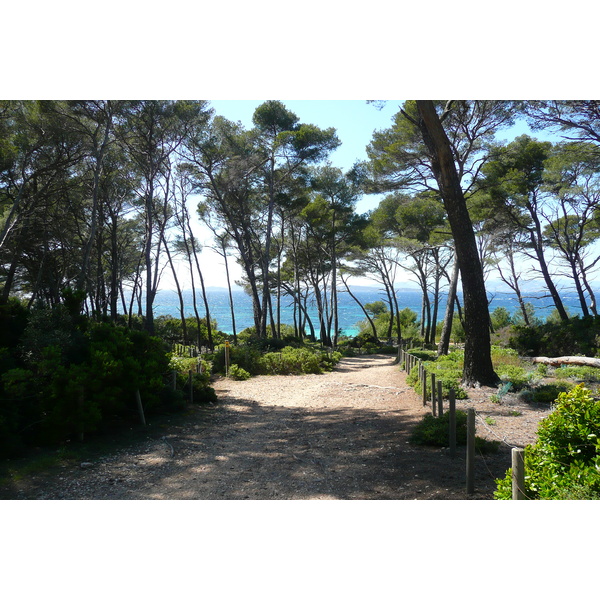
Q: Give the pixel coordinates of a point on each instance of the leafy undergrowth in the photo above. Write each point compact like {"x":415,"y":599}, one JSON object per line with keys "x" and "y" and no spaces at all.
{"x":250,"y":360}
{"x":533,"y":383}
{"x":434,"y":431}
{"x":564,"y":464}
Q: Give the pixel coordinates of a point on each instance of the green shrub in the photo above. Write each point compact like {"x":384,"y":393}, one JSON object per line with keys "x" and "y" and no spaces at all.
{"x":291,"y":361}
{"x":518,"y":376}
{"x":500,"y":317}
{"x":236,"y":372}
{"x":170,"y":330}
{"x":77,"y":377}
{"x":577,"y":336}
{"x":549,"y":392}
{"x":434,"y":431}
{"x":565,"y":460}
{"x":447,"y":369}
{"x":579,"y":373}
{"x":246,"y":357}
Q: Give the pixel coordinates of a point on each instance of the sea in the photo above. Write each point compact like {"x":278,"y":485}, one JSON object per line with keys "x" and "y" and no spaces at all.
{"x":350,"y":313}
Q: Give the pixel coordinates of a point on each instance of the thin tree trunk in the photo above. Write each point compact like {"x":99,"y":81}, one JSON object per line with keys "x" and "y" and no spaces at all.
{"x":444,"y":345}
{"x":179,"y":294}
{"x":373,"y":328}
{"x":230,"y":296}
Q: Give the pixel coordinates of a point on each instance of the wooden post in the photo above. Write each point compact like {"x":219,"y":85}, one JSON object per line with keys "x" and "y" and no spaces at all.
{"x":518,"y":474}
{"x":440,"y":398}
{"x":424,"y":383}
{"x":452,"y":423}
{"x":138,"y":399}
{"x":191,"y":384}
{"x":433,"y":397}
{"x":470,"y":450}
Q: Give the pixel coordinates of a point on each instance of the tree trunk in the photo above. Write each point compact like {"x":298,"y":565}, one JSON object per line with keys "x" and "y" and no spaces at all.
{"x":539,"y":252}
{"x":444,"y":345}
{"x":478,"y":368}
{"x":230,"y":297}
{"x":373,"y":328}
{"x":179,"y":294}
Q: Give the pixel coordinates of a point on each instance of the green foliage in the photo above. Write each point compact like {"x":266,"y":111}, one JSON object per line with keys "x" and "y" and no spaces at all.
{"x":517,"y":376}
{"x":564,"y":463}
{"x":447,"y":369}
{"x":288,"y":360}
{"x":434,"y":431}
{"x":381,"y":319}
{"x":201,"y":370}
{"x":549,"y":392}
{"x":249,"y":337}
{"x":376,"y":308}
{"x":500,"y":317}
{"x":246,"y":357}
{"x":170,"y":329}
{"x":578,"y":373}
{"x":577,"y":336}
{"x":13,"y":321}
{"x":297,"y":361}
{"x":458,"y":331}
{"x":71,"y":377}
{"x":505,"y":356}
{"x":236,"y":372}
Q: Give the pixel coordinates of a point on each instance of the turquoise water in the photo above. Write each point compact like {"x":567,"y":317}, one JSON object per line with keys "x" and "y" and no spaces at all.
{"x":350,"y":314}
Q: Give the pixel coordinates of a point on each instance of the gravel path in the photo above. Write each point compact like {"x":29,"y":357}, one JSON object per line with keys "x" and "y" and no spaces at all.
{"x":341,"y":435}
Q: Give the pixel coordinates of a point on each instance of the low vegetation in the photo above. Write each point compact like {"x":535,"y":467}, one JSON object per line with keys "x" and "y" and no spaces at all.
{"x":434,"y":431}
{"x":66,"y":377}
{"x":564,"y":464}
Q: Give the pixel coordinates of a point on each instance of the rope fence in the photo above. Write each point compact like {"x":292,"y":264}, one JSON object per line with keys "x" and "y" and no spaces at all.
{"x":434,"y":393}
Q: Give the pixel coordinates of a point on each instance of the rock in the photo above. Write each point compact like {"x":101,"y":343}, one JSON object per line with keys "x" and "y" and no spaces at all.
{"x":86,"y":465}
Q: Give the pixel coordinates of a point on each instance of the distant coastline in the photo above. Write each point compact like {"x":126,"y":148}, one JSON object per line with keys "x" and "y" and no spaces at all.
{"x":350,"y":314}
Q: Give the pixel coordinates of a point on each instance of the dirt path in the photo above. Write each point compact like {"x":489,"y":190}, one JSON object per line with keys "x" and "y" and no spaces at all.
{"x":341,"y":435}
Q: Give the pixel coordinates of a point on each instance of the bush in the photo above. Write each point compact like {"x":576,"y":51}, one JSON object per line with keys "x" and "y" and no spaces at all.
{"x":518,"y":376}
{"x":577,"y":336}
{"x":170,"y":329}
{"x":239,"y":374}
{"x":565,"y":461}
{"x":500,"y":318}
{"x":434,"y":431}
{"x":549,"y":392}
{"x":579,"y":373}
{"x":77,"y":377}
{"x":291,"y":361}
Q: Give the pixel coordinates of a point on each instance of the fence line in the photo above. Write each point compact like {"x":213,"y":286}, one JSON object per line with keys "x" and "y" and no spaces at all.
{"x":407,"y":363}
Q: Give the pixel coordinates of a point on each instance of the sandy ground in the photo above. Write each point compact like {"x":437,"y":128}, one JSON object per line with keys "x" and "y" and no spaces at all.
{"x":340,"y":435}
